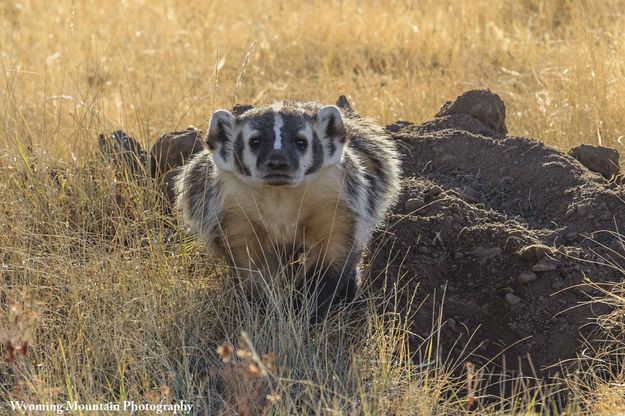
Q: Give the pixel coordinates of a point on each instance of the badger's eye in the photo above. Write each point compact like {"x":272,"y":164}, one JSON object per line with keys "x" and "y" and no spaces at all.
{"x":301,"y":143}
{"x":254,"y":142}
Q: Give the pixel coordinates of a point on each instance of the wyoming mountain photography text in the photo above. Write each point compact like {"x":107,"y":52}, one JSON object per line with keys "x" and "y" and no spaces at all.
{"x":128,"y":407}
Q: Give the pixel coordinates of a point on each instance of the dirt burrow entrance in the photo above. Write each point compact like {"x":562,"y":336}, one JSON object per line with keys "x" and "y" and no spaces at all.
{"x":502,"y":226}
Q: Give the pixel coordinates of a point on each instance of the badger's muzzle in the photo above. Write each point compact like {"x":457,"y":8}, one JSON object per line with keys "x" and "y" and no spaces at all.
{"x":278,"y":169}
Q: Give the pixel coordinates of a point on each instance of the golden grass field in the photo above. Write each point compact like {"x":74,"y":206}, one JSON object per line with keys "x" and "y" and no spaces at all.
{"x":112,"y":309}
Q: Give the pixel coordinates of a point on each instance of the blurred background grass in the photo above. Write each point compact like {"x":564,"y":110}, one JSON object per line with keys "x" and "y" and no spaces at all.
{"x":72,"y":68}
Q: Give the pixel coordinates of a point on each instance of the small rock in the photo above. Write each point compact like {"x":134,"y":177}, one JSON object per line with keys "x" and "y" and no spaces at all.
{"x":438,"y":149}
{"x":512,"y":299}
{"x":448,"y":158}
{"x":414,"y":204}
{"x":571,"y":236}
{"x":458,"y":255}
{"x":545,"y":265}
{"x":526,"y":277}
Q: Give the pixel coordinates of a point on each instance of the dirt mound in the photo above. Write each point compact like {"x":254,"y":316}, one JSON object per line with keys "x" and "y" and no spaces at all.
{"x":501,"y":225}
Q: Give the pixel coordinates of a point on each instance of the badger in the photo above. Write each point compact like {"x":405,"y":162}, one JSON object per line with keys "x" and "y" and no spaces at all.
{"x":291,"y":177}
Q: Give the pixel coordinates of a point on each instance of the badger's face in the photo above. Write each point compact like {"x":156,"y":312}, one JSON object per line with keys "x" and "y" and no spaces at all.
{"x":277,"y":145}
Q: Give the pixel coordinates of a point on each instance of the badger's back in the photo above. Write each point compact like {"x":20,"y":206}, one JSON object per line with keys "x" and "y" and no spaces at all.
{"x":372,"y":153}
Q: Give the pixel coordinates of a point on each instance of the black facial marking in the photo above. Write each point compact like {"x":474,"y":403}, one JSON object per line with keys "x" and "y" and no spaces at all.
{"x":264,"y":123}
{"x":292,"y":125}
{"x":317,"y":153}
{"x":239,"y":147}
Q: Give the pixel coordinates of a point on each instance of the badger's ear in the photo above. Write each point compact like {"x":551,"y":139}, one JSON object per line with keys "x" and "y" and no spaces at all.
{"x":220,"y":138}
{"x":330,"y":122}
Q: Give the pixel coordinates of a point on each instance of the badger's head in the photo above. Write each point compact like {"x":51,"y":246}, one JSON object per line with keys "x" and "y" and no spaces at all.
{"x":284,"y":144}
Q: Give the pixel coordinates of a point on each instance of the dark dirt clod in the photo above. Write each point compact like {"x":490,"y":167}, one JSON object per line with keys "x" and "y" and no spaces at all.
{"x":603,"y":160}
{"x":482,"y":105}
{"x":503,"y":225}
{"x":124,"y":152}
{"x":171,"y":151}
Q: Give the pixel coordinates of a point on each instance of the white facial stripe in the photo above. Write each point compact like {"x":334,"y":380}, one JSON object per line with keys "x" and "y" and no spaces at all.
{"x":248,"y":131}
{"x":277,"y":126}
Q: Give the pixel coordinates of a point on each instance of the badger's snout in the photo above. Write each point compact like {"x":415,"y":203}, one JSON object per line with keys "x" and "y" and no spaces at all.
{"x":277,"y":162}
{"x":278,"y":168}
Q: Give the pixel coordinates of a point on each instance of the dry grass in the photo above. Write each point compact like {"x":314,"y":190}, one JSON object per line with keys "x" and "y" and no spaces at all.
{"x":117,"y":307}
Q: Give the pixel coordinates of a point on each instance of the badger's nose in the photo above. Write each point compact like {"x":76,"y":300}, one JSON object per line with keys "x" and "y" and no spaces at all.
{"x":277,"y":161}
